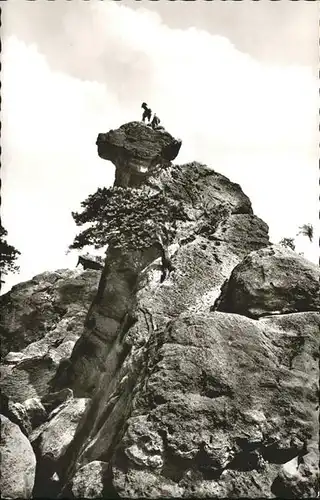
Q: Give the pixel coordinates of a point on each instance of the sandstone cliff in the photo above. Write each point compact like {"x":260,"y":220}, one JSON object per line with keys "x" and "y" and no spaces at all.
{"x":205,"y":385}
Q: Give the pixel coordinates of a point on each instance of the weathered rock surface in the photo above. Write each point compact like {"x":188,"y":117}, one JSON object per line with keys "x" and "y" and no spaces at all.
{"x":90,"y":481}
{"x":18,"y":462}
{"x":48,"y":339}
{"x":35,"y":411}
{"x":203,"y":190}
{"x":29,"y":309}
{"x":202,"y":264}
{"x":185,"y":401}
{"x":272,"y":280}
{"x":52,"y":400}
{"x":219,"y":400}
{"x":51,"y":440}
{"x":136,"y":149}
{"x":27,"y":416}
{"x":17,"y":413}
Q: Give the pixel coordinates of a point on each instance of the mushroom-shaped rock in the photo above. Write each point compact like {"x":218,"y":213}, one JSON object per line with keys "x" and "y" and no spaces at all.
{"x":272,"y":280}
{"x":136,"y":149}
{"x":18,"y":462}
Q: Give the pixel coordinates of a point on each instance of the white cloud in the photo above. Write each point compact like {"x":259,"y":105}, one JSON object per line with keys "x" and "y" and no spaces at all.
{"x":253,"y":122}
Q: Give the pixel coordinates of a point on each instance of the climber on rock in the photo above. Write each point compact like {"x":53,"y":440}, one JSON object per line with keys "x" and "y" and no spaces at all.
{"x":166,"y":264}
{"x":155,"y":121}
{"x":146,"y":113}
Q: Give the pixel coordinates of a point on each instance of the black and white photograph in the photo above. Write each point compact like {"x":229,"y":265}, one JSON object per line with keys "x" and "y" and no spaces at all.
{"x":160,"y":280}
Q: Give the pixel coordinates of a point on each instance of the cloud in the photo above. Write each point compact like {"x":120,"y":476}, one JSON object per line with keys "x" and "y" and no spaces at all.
{"x":253,"y":122}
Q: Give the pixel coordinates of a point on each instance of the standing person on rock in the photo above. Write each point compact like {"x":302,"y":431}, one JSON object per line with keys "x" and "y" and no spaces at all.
{"x":146,"y":113}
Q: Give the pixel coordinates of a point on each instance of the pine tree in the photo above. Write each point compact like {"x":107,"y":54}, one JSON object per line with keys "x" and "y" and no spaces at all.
{"x":288,"y":243}
{"x":306,"y":230}
{"x":8,"y":254}
{"x":126,"y":218}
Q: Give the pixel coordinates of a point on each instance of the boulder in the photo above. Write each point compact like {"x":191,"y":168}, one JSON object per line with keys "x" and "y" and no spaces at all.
{"x":273,"y":280}
{"x":203,"y":190}
{"x":18,"y":462}
{"x":51,"y":440}
{"x":53,"y":437}
{"x":29,"y":379}
{"x":90,"y":481}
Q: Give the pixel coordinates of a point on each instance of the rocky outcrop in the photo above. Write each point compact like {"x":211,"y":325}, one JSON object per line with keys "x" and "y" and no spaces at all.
{"x":178,"y":398}
{"x":136,"y":150}
{"x":203,"y":191}
{"x":35,"y":411}
{"x":201,"y":266}
{"x":273,"y":280}
{"x":34,"y":308}
{"x":18,"y":462}
{"x":44,"y":318}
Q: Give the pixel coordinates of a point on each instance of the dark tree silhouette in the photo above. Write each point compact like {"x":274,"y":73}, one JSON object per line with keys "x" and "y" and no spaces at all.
{"x":126,"y":218}
{"x":288,"y":243}
{"x":306,"y":230}
{"x":8,"y":254}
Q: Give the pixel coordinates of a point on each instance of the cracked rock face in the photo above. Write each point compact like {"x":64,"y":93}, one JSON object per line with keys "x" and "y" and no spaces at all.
{"x":42,"y":319}
{"x":32,"y":309}
{"x":221,"y":401}
{"x":136,"y":149}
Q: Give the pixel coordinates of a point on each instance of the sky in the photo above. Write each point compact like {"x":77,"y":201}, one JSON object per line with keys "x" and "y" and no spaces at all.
{"x":236,"y":81}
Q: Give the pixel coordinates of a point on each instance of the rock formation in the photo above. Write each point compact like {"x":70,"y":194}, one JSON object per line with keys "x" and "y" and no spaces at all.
{"x":135,"y":149}
{"x":203,"y":386}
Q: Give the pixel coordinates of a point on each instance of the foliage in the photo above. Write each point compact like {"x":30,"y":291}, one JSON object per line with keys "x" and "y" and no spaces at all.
{"x":306,"y":230}
{"x":288,"y":243}
{"x":126,"y":218}
{"x":8,"y":254}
